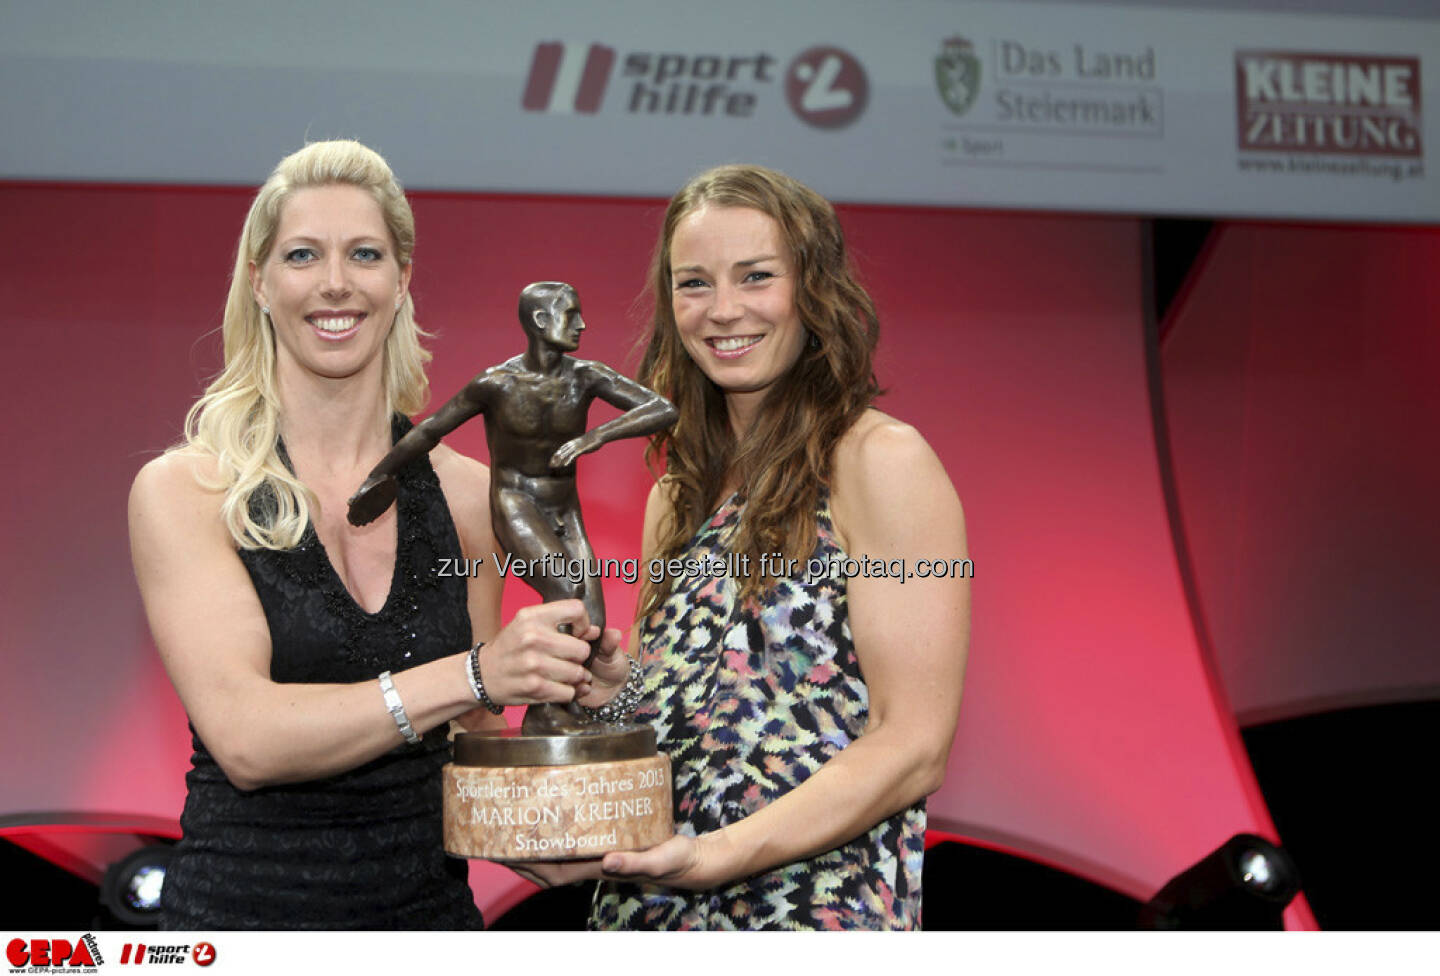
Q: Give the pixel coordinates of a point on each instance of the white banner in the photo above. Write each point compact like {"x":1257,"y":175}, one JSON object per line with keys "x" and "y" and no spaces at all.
{"x":705,"y":953}
{"x":1066,"y":106}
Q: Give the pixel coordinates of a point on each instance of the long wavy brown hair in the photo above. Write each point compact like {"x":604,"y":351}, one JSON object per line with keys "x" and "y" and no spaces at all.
{"x":783,"y":464}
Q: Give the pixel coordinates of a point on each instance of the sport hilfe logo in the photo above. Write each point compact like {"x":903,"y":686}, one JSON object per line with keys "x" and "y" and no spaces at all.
{"x":135,"y":954}
{"x":561,"y":81}
{"x":826,"y":87}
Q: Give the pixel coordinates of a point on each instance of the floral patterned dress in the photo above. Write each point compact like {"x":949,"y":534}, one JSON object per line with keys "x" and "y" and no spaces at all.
{"x":748,"y":701}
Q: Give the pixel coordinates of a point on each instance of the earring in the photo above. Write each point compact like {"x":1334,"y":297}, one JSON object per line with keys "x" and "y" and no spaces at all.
{"x":814,"y":341}
{"x":265,"y":311}
{"x":398,"y":304}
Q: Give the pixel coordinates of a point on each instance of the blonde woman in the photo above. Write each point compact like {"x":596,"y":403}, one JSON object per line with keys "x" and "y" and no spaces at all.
{"x":320,"y":663}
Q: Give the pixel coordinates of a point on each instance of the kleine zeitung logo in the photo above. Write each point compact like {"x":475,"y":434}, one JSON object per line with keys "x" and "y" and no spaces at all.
{"x":1346,"y":104}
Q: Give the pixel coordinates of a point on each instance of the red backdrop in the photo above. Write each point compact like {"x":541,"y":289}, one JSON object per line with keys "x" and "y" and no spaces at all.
{"x":1092,"y":734}
{"x":1302,"y":377}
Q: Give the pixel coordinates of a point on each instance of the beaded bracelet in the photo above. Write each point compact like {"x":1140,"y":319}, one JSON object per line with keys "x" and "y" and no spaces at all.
{"x":619,"y":708}
{"x":477,"y":687}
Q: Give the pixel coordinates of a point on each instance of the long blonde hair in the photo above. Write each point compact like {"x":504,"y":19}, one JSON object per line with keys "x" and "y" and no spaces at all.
{"x":237,"y":418}
{"x":784,"y":463}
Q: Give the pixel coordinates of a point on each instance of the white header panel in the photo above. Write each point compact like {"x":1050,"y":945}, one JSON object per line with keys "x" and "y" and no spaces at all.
{"x":1065,"y":106}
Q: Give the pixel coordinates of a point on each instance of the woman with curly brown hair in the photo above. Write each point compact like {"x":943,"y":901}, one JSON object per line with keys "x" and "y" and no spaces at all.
{"x":807,"y":705}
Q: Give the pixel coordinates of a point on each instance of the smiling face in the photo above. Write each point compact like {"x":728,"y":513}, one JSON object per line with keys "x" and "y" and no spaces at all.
{"x":733,"y":293}
{"x":332,"y":281}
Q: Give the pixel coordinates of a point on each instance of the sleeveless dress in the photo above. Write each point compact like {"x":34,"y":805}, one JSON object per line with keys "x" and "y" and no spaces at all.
{"x":361,"y":849}
{"x":748,"y":702}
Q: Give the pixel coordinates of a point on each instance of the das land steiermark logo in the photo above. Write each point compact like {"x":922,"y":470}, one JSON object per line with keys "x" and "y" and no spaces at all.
{"x":957,"y":74}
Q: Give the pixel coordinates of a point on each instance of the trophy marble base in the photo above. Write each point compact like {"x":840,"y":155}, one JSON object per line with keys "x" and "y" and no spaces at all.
{"x":510,"y":797}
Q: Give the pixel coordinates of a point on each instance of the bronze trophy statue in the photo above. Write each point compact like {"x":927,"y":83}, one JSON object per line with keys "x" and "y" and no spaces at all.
{"x":563,"y":785}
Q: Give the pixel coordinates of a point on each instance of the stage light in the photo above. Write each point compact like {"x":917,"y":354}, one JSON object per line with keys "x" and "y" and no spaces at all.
{"x":1245,"y":883}
{"x":132,"y":885}
{"x":1255,"y":870}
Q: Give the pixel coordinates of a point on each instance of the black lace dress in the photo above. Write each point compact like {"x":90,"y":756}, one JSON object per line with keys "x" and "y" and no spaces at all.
{"x":360,"y":850}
